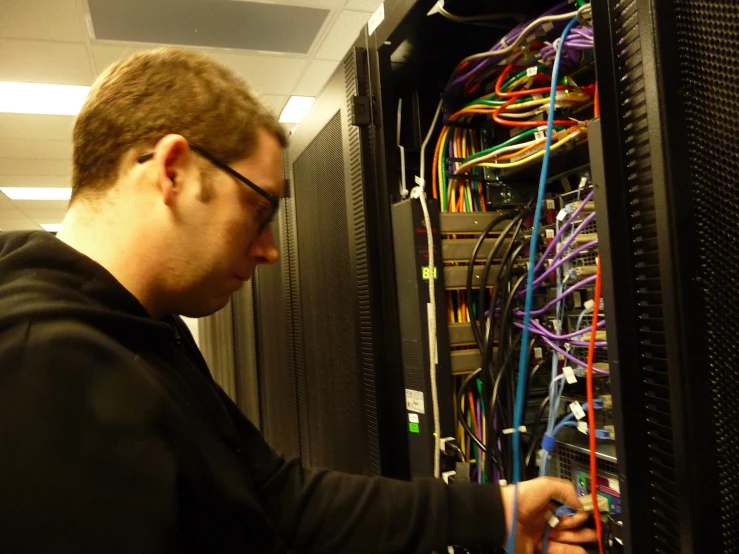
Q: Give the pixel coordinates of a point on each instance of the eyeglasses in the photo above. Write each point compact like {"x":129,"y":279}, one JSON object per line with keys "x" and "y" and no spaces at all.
{"x":274,"y":202}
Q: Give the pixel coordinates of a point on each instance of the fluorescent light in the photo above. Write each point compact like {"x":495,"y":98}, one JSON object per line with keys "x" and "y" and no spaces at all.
{"x":296,"y":109}
{"x":37,"y":193}
{"x":51,"y":227}
{"x":44,"y":99}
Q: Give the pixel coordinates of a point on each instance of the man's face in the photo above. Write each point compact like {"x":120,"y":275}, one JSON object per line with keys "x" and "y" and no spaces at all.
{"x":221,"y":239}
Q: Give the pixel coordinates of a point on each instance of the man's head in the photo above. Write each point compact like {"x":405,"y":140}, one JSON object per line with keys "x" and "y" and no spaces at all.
{"x":159,"y":149}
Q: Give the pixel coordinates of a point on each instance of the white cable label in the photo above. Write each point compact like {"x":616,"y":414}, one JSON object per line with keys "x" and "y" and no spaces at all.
{"x":577,"y":410}
{"x":569,"y":374}
{"x":589,"y":305}
{"x":531,"y":71}
{"x":547,"y":26}
{"x":414,"y":401}
{"x":561,"y":215}
{"x":413,"y":418}
{"x":582,"y":427}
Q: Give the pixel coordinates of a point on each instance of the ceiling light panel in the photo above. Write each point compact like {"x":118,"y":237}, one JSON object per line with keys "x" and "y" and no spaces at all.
{"x":41,"y":99}
{"x":296,"y":108}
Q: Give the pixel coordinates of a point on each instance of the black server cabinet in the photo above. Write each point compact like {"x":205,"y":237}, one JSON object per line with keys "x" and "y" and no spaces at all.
{"x":669,"y":177}
{"x":334,"y":332}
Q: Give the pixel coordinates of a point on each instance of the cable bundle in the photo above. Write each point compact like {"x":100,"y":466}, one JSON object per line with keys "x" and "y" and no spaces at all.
{"x":505,"y":110}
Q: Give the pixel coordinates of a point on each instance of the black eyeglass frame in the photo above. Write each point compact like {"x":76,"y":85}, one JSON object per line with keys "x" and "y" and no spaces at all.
{"x":273,"y":200}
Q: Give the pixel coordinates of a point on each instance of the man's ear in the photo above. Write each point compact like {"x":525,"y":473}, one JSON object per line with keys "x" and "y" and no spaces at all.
{"x":173,"y":160}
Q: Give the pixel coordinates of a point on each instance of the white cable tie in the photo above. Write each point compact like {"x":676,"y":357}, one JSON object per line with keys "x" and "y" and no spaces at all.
{"x":521,"y":429}
{"x":436,"y":8}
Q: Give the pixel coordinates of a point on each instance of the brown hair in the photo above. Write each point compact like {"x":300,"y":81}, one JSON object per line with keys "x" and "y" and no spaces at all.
{"x":139,"y":100}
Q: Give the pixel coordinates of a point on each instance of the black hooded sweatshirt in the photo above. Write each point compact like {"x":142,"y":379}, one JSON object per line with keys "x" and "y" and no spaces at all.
{"x":114,"y":439}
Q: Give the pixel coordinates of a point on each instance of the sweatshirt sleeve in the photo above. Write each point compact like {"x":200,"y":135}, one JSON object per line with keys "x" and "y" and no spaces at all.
{"x":80,"y":472}
{"x":327,"y":511}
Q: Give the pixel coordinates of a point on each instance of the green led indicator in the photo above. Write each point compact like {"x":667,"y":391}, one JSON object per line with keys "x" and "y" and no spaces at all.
{"x":426,"y":273}
{"x":413,"y":428}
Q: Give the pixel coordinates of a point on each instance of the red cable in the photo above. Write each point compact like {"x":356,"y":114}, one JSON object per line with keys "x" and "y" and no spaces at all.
{"x":596,"y":102}
{"x":591,"y":410}
{"x":525,"y":92}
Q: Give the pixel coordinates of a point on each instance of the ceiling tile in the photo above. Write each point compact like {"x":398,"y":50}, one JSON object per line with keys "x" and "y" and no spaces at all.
{"x":107,"y":54}
{"x":276,"y":101}
{"x":19,"y":224}
{"x":43,"y":211}
{"x":16,"y":148}
{"x":46,"y":127}
{"x":30,"y":61}
{"x":34,"y":181}
{"x":363,"y":5}
{"x":271,"y":75}
{"x":315,"y":77}
{"x":328,"y":4}
{"x":9,"y":127}
{"x":42,"y":19}
{"x":51,"y":149}
{"x":342,"y":35}
{"x":17,"y":166}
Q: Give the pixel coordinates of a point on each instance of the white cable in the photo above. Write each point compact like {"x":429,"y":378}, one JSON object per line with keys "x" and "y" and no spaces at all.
{"x":433,"y":354}
{"x":403,"y":186}
{"x":420,"y":193}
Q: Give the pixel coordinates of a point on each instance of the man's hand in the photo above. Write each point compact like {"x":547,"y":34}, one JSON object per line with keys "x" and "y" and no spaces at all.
{"x":533,"y":509}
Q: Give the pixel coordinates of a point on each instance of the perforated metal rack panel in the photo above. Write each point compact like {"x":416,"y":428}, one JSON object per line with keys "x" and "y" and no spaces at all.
{"x":708,"y":52}
{"x":670,"y":166}
{"x":327,"y":306}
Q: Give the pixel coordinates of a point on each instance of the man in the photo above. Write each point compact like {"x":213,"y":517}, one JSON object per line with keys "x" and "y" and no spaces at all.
{"x":114,"y":437}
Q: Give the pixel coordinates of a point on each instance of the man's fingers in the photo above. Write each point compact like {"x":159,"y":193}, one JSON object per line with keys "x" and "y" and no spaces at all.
{"x":565,"y":491}
{"x":578,"y":536}
{"x":560,"y":548}
{"x":570,"y":522}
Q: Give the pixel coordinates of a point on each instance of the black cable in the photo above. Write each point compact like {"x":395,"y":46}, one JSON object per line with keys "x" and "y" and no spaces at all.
{"x":489,"y":325}
{"x":470,"y":269}
{"x":460,"y":396}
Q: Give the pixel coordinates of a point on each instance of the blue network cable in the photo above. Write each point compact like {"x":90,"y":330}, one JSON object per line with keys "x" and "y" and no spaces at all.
{"x":523,"y":360}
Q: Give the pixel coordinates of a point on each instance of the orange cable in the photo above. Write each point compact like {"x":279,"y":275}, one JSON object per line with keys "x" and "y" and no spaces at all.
{"x":591,"y":410}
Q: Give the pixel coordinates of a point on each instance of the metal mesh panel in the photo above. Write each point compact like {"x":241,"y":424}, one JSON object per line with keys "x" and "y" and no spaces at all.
{"x":358,"y":239}
{"x":648,"y":301}
{"x":328,"y":306}
{"x":708,"y":52}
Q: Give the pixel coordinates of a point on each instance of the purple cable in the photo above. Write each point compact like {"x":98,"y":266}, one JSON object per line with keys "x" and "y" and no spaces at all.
{"x":506,"y":40}
{"x":539,"y":329}
{"x":564,"y":228}
{"x":569,"y":291}
{"x":570,"y":357}
{"x":564,"y":260}
{"x":553,"y":337}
